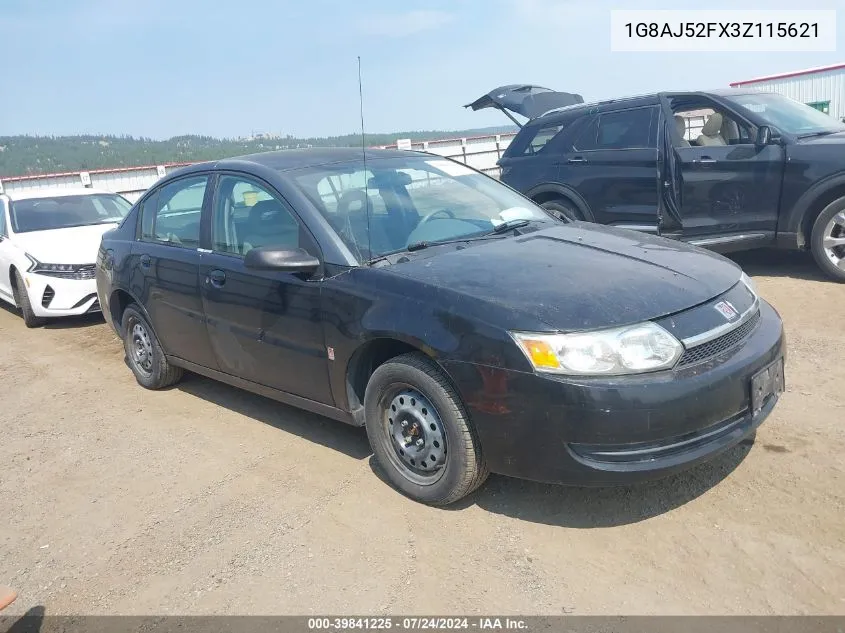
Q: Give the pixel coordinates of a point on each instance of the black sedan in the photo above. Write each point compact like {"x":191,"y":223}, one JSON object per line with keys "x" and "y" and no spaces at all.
{"x":467,"y":329}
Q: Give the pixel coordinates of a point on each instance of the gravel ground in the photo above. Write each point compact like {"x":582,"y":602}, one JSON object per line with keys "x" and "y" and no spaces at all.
{"x":204,"y":499}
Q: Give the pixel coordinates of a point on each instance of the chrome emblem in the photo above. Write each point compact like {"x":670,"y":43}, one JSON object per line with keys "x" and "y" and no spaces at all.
{"x":726,"y":310}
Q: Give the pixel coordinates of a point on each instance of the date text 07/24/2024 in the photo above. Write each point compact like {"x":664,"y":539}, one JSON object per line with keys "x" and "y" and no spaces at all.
{"x":416,"y":623}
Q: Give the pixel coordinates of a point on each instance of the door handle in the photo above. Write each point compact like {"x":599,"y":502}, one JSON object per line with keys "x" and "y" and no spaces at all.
{"x":576,"y":160}
{"x":216,"y":278}
{"x":705,"y":160}
{"x":145,"y":260}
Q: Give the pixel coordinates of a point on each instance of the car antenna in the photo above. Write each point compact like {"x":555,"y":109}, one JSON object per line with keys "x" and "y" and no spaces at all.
{"x":364,"y":152}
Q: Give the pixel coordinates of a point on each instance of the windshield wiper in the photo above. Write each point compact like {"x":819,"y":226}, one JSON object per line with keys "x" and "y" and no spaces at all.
{"x":508,"y":225}
{"x":496,"y":233}
{"x":822,"y":133}
{"x":418,"y":246}
{"x":498,"y":230}
{"x":421,"y":245}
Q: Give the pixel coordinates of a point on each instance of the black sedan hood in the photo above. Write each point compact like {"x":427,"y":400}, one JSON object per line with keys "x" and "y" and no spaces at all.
{"x":579,"y":276}
{"x":527,"y":100}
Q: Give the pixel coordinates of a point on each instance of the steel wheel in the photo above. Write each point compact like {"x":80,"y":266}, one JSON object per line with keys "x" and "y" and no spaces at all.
{"x":142,"y":348}
{"x":144,"y":354}
{"x":833,"y":240}
{"x":420,"y":433}
{"x":416,"y":435}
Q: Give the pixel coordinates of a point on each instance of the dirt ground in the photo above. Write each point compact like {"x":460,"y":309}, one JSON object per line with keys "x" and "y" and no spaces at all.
{"x":204,"y":499}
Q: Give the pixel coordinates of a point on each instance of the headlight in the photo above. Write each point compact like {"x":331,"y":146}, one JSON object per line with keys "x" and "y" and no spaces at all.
{"x":631,"y":349}
{"x":38,"y":267}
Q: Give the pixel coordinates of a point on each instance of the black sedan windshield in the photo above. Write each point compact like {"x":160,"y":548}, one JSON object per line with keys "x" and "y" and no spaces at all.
{"x":788,"y":115}
{"x":393,"y":203}
{"x":59,"y":212}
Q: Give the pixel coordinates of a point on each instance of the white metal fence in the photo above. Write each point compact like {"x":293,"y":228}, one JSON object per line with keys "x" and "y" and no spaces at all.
{"x":130,"y":182}
{"x":480,"y":152}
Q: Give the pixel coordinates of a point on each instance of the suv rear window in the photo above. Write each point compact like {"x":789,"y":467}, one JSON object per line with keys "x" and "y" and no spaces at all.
{"x":542,"y":137}
{"x":623,"y":129}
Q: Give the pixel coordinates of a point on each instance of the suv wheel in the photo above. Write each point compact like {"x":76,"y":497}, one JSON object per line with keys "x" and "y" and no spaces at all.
{"x":144,"y":354}
{"x":562,"y":209}
{"x":827,"y":240}
{"x":22,"y":299}
{"x":420,"y":432}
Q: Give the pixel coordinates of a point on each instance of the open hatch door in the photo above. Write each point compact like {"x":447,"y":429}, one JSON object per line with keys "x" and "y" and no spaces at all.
{"x":526,"y":100}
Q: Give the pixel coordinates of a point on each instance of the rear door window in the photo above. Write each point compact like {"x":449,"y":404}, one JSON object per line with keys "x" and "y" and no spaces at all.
{"x":623,"y":129}
{"x":172,"y":214}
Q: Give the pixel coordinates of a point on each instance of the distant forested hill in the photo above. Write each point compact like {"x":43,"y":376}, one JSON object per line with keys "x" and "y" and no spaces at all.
{"x":21,"y":155}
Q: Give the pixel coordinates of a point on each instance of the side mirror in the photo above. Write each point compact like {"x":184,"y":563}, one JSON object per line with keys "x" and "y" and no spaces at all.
{"x":764,"y":136}
{"x":281,"y":259}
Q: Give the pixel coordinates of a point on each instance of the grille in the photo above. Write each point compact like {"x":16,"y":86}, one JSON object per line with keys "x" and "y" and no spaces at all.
{"x":47,"y":297}
{"x":726,"y":342}
{"x":87,"y":271}
{"x":95,"y":307}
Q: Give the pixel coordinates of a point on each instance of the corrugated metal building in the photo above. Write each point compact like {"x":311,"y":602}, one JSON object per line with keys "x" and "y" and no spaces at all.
{"x":822,"y":88}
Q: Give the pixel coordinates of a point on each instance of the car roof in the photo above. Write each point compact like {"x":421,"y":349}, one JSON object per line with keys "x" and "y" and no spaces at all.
{"x":288,"y":159}
{"x":55,"y":192}
{"x":642,"y":100}
{"x":633,"y":100}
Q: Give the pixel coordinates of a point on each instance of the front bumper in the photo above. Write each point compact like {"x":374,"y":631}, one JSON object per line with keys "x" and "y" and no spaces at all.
{"x":56,"y":297}
{"x":618,"y":430}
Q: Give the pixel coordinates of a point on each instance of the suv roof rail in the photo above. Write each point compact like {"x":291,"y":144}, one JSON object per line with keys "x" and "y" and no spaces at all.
{"x":593,"y":104}
{"x":574,"y":106}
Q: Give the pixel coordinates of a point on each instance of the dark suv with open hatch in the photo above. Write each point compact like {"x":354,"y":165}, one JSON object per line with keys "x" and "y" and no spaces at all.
{"x":726,"y":170}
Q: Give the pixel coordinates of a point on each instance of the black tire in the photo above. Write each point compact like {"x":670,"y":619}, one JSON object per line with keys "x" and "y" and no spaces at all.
{"x":144,"y":354}
{"x":818,"y":234}
{"x":563,"y":209}
{"x":22,"y":299}
{"x":463,"y":468}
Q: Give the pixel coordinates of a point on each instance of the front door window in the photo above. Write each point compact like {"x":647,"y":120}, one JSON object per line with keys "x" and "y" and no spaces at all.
{"x":248,"y":216}
{"x":703,"y":124}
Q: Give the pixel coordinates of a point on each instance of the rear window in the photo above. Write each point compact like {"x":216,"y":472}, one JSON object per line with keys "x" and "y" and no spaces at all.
{"x":541,"y":138}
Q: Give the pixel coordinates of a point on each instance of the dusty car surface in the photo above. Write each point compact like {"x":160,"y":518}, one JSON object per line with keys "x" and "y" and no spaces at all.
{"x":464,"y":326}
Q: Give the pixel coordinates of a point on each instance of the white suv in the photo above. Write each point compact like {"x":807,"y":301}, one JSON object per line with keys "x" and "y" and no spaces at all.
{"x":49,"y":240}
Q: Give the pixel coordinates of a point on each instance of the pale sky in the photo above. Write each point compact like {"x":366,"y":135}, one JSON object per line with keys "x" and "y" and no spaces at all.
{"x":160,"y":68}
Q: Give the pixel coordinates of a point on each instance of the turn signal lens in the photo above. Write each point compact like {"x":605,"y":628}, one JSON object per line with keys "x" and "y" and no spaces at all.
{"x":541,"y":354}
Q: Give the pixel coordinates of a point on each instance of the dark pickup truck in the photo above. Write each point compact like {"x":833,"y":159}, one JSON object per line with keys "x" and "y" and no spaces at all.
{"x":726,"y":169}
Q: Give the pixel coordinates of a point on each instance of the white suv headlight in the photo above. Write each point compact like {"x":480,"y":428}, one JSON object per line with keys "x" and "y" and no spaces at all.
{"x":632,"y":349}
